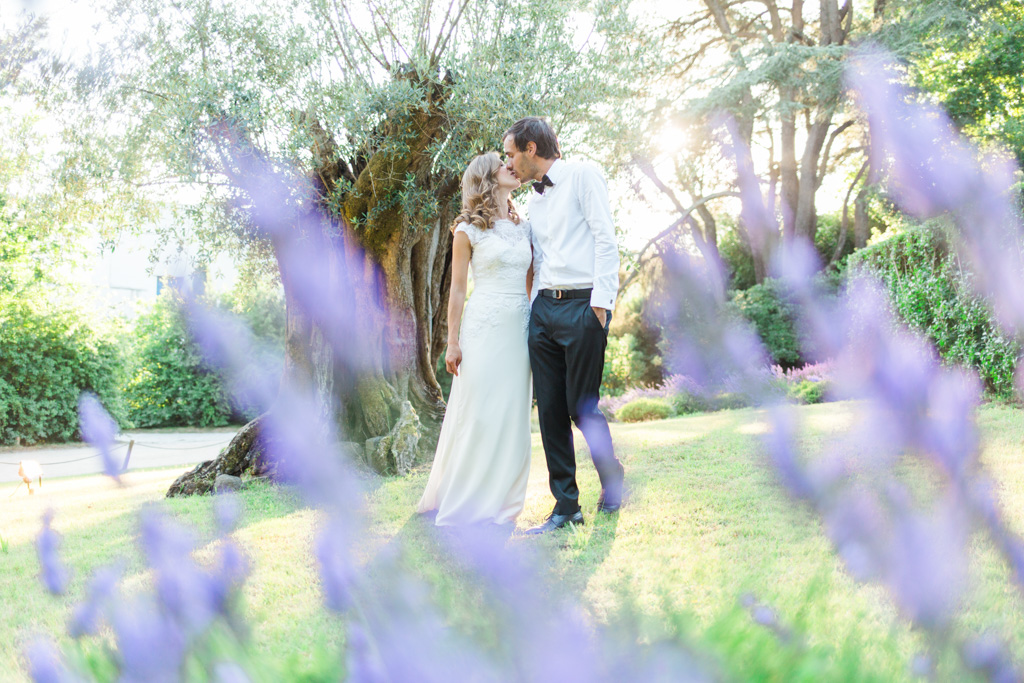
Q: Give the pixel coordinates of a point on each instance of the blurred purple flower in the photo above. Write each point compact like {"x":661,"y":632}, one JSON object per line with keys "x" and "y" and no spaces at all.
{"x":338,"y":571}
{"x":302,"y":439}
{"x":362,"y":663}
{"x":856,"y":524}
{"x":45,"y":664}
{"x":931,"y":169}
{"x":85,"y":618}
{"x":780,"y":443}
{"x":227,"y":511}
{"x":986,"y":654}
{"x":99,"y":430}
{"x":188,"y":593}
{"x":228,"y":346}
{"x":795,"y":262}
{"x":150,"y":644}
{"x":229,"y":672}
{"x":54,"y":573}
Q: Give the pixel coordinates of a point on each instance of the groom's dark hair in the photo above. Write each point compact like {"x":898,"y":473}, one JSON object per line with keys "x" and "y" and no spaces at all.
{"x":538,"y":131}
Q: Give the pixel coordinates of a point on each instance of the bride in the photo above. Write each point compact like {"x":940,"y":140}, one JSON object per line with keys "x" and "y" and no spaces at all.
{"x":483,"y":456}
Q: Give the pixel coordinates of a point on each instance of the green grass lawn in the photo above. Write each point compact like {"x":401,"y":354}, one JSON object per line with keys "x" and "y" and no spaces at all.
{"x":706,"y":523}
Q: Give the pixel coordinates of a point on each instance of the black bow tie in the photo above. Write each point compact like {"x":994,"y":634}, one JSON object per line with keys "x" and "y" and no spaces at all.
{"x":544,"y":182}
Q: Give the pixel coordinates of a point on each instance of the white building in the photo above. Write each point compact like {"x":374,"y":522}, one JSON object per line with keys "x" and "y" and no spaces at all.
{"x":118,"y":279}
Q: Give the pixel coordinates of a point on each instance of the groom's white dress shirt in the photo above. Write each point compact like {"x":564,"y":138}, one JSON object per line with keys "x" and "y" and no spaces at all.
{"x":573,"y":235}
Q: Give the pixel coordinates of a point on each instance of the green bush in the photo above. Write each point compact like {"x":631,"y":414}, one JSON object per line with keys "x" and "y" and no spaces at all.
{"x":826,"y":237}
{"x":931,"y":292}
{"x":773,"y":317}
{"x":686,"y":403}
{"x":170,"y":384}
{"x":643,"y":409}
{"x":622,"y":364}
{"x":49,"y":355}
{"x":632,"y":358}
{"x":730,"y":401}
{"x":736,"y":256}
{"x":806,"y":391}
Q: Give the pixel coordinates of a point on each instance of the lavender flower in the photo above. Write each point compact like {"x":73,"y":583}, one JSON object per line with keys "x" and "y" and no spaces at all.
{"x":184,"y":590}
{"x":55,"y":574}
{"x":46,"y":664}
{"x":229,"y":672}
{"x":338,"y":572}
{"x":85,"y":618}
{"x":150,"y":644}
{"x":99,"y":430}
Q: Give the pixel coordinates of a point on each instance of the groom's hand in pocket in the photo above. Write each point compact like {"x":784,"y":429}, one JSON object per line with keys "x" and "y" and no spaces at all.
{"x":453,"y":358}
{"x":602,"y":315}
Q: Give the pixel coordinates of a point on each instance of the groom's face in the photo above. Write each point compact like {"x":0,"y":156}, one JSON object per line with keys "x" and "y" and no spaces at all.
{"x":521,"y":163}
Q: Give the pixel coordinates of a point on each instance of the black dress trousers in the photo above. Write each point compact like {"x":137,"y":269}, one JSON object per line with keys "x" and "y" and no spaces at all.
{"x":567,"y":344}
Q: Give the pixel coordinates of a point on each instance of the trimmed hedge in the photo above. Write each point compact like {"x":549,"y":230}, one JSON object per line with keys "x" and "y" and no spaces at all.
{"x":643,"y":409}
{"x":48,"y":356}
{"x":931,"y":292}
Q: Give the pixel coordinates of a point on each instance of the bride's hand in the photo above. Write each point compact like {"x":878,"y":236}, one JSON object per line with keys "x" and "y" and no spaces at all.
{"x":453,"y":358}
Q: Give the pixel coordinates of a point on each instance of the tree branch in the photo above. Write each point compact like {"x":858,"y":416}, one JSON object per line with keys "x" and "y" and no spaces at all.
{"x":844,"y":224}
{"x":823,"y":167}
{"x":683,"y":220}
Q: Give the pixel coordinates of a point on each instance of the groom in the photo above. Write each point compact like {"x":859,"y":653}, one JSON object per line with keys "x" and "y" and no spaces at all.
{"x":576,"y":279}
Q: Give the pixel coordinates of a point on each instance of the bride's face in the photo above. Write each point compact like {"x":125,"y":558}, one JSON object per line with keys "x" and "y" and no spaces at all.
{"x":505,"y":179}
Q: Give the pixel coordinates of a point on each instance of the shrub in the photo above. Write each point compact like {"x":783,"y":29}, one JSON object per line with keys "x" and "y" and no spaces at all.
{"x":730,"y":401}
{"x":808,"y":391}
{"x":643,"y":409}
{"x":737,"y":258}
{"x":170,"y":384}
{"x":670,"y":387}
{"x":49,"y":355}
{"x":622,"y":365}
{"x":633,"y":357}
{"x":773,"y":317}
{"x":686,"y":403}
{"x":932,"y":293}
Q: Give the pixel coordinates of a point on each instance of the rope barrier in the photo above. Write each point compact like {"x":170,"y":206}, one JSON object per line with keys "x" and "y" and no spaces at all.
{"x":65,"y":462}
{"x":137,"y":444}
{"x":182,"y":448}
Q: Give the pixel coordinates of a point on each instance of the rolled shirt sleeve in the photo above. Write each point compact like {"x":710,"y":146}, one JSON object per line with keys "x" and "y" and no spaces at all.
{"x":593,"y":193}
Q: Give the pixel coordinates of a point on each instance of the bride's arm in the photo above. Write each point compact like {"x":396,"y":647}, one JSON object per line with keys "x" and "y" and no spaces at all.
{"x":529,"y":280}
{"x":457,"y":300}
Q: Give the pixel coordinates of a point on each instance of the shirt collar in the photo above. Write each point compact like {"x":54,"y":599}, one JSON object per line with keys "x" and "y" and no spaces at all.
{"x":557,"y":171}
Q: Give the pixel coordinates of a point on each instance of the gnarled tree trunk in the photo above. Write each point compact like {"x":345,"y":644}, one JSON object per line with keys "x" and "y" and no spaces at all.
{"x":391,"y":413}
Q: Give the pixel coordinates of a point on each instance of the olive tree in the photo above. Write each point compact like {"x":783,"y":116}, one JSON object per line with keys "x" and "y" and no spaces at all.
{"x":376,"y":107}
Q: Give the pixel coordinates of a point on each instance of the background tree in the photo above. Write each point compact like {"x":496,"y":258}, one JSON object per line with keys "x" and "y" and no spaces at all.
{"x":975,"y":67}
{"x":773,"y":68}
{"x":376,"y":108}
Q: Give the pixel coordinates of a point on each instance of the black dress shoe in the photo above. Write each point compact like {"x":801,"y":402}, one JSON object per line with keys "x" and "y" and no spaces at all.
{"x":609,"y":503}
{"x":555,"y":521}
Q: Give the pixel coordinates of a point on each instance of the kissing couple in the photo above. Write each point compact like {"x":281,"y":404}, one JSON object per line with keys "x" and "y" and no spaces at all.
{"x":544,"y":290}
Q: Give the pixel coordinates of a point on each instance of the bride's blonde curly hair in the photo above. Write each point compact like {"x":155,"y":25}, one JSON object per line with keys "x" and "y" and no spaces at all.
{"x":479,"y":193}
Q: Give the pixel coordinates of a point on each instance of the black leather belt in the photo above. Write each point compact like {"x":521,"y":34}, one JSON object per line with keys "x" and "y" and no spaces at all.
{"x":566,"y":293}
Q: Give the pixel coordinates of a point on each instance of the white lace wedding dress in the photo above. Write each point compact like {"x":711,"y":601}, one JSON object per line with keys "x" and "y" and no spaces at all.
{"x":483,"y":456}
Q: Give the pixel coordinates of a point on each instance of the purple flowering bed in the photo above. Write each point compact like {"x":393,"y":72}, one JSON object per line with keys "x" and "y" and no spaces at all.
{"x":887,"y":530}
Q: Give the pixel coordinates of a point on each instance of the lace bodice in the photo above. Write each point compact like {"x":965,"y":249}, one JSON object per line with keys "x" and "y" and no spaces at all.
{"x":501,"y":256}
{"x":499,"y":261}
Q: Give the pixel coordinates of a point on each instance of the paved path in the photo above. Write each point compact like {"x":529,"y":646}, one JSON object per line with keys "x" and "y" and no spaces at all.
{"x":153,"y":448}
